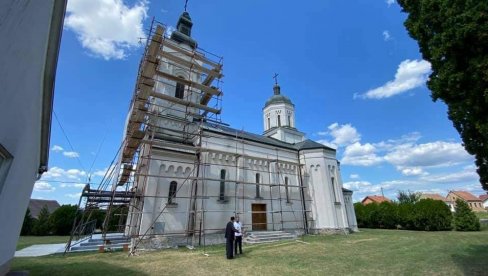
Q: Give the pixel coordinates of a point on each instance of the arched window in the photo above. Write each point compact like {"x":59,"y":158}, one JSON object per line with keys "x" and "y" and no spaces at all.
{"x":222,"y":185}
{"x":172,"y":192}
{"x":286,"y":190}
{"x":269,"y":122}
{"x":279,"y":120}
{"x":258,"y":189}
{"x":180,"y":90}
{"x":289,"y":120}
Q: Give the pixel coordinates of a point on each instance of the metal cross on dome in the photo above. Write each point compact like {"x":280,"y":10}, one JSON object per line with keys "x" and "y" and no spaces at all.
{"x":186,"y":4}
{"x":276,"y":78}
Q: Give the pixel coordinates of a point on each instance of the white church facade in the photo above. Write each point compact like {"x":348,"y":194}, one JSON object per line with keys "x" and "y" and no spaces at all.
{"x":199,"y":173}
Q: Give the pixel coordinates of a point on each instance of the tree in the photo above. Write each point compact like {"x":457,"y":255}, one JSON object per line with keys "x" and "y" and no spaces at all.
{"x":408,"y":197}
{"x":62,"y":219}
{"x":464,"y":218}
{"x":28,"y":223}
{"x":42,"y":227}
{"x":453,"y":37}
{"x":432,"y":215}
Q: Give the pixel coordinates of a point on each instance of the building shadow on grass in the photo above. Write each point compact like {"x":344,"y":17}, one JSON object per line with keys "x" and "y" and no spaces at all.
{"x":74,"y":268}
{"x":473,"y":261}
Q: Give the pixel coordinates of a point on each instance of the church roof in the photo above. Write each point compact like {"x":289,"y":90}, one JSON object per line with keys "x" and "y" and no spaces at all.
{"x":307,"y":144}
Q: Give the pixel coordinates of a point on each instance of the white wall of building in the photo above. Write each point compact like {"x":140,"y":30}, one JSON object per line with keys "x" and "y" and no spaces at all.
{"x":27,"y":31}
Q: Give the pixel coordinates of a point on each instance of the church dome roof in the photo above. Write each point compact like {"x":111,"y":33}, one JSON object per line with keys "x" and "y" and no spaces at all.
{"x":277,"y":98}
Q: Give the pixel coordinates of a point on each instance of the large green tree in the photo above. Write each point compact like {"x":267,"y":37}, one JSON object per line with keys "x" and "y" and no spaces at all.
{"x":453,"y":37}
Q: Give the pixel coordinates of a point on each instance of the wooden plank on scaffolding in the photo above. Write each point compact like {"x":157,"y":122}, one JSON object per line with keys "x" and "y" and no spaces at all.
{"x":185,"y":102}
{"x":189,"y":64}
{"x":172,"y":45}
{"x":205,"y":89}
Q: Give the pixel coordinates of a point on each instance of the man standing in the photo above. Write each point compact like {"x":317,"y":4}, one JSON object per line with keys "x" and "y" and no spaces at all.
{"x":229,"y":236}
{"x":238,"y":242}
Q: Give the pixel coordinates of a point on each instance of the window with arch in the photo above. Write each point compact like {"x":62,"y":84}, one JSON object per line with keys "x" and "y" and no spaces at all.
{"x":279,"y":120}
{"x":258,"y":189}
{"x":287,"y":192}
{"x":289,"y":120}
{"x":172,"y":192}
{"x":269,"y":122}
{"x":222,"y":185}
{"x":180,"y":90}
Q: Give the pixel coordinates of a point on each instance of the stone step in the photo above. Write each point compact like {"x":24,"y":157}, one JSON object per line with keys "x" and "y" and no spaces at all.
{"x":96,"y":247}
{"x":256,"y":237}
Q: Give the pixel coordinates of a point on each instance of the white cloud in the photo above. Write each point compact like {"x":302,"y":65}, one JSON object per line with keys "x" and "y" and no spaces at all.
{"x":390,"y":2}
{"x":415,"y":171}
{"x":71,"y":154}
{"x":354,"y":176}
{"x":75,"y":195}
{"x":42,"y":186}
{"x":358,"y":154}
{"x":61,"y":174}
{"x":434,"y":154}
{"x":107,"y":28}
{"x":452,"y":177}
{"x":386,"y":35}
{"x":57,"y":148}
{"x":410,"y":74}
{"x":72,"y":185}
{"x":342,"y":134}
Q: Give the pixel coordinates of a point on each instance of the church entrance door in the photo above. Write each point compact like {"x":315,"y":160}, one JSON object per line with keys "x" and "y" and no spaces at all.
{"x":259,"y":217}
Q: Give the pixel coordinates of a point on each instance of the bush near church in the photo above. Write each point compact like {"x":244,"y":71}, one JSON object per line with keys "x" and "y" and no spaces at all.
{"x":464,"y":218}
{"x":424,"y":215}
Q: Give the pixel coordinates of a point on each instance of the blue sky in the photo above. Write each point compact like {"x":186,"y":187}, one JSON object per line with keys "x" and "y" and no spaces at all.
{"x":355,"y":76}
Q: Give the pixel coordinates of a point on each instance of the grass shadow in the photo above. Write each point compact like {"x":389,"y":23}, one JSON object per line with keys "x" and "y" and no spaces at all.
{"x":472,"y":261}
{"x":86,"y":267}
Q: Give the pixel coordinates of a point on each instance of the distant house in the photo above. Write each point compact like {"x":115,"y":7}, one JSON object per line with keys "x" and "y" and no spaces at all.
{"x":484,"y":200}
{"x":35,"y":206}
{"x":374,"y":199}
{"x":439,"y":197}
{"x":473,"y":202}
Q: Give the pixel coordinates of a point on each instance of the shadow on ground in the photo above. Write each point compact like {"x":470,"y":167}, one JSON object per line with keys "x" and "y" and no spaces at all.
{"x":473,"y":261}
{"x":73,"y":268}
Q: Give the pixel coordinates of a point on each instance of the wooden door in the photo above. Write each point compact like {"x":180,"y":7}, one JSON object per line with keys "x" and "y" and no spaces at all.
{"x":259,"y":217}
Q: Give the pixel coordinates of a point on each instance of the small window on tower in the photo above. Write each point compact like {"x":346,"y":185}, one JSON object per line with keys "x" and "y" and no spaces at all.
{"x":279,"y":120}
{"x":289,"y":120}
{"x":222,"y":186}
{"x":269,"y":122}
{"x":180,"y":90}
{"x":172,"y":192}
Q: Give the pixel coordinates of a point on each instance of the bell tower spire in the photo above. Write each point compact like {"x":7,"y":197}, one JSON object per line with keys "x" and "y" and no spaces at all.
{"x":279,"y":117}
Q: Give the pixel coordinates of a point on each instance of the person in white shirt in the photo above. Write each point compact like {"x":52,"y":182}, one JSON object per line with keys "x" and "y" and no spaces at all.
{"x":238,"y":234}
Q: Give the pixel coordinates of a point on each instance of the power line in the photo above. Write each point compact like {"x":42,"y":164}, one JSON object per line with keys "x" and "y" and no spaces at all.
{"x":67,"y":139}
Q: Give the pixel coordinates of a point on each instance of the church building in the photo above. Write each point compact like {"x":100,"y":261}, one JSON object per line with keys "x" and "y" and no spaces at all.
{"x":193,"y":173}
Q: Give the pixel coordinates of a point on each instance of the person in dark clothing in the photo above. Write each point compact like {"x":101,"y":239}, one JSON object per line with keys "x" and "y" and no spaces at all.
{"x":229,"y":236}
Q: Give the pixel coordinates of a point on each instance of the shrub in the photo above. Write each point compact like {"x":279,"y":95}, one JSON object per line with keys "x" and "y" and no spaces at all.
{"x":42,"y":226}
{"x":406,"y":216}
{"x":432,"y":215}
{"x":28,"y":223}
{"x":62,"y":219}
{"x":360,"y":211}
{"x":464,"y":218}
{"x":387,"y":215}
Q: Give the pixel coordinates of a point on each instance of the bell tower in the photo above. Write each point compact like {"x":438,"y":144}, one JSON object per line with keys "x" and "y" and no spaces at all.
{"x":279,"y":117}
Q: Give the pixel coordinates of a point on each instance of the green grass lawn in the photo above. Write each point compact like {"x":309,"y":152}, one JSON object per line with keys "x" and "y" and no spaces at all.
{"x":26,"y":241}
{"x":366,"y":253}
{"x":482,"y":215}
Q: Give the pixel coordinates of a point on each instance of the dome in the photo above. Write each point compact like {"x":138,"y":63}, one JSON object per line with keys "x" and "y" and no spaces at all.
{"x":277,"y":98}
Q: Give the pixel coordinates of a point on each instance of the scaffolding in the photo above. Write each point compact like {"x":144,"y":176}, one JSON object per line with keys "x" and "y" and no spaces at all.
{"x":163,"y":122}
